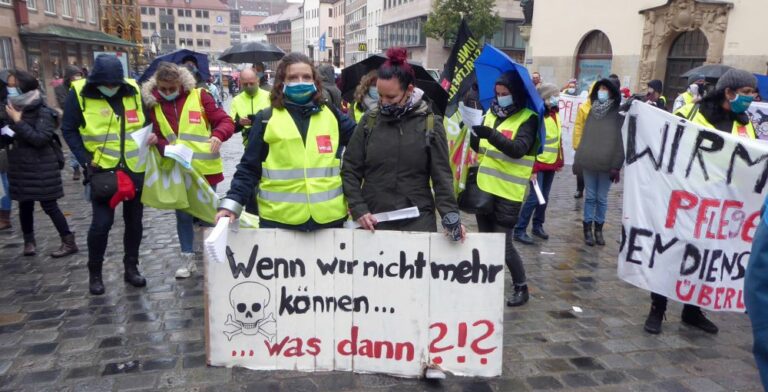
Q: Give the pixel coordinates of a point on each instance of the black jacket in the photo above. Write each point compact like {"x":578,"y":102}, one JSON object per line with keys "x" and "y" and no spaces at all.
{"x":397,"y":164}
{"x":33,"y":165}
{"x":248,"y":173}
{"x":711,"y":108}
{"x":602,"y":146}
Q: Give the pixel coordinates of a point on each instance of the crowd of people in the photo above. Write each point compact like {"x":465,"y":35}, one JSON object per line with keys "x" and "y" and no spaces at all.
{"x":308,"y":165}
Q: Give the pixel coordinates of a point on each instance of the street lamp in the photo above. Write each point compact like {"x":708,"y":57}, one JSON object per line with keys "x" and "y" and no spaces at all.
{"x":155,"y":43}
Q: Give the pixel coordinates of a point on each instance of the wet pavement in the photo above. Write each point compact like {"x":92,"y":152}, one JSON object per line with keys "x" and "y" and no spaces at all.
{"x":55,"y":336}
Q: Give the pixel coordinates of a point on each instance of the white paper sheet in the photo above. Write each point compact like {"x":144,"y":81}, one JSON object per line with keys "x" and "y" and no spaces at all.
{"x":140,"y":138}
{"x":216,"y":243}
{"x":405,"y":213}
{"x":7,"y":131}
{"x":180,"y":153}
{"x":539,"y":195}
{"x":470,"y":116}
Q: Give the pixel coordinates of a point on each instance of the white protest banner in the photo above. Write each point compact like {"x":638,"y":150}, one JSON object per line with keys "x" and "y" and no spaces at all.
{"x":692,"y":199}
{"x":569,"y":108}
{"x":758,"y":111}
{"x":351,"y":300}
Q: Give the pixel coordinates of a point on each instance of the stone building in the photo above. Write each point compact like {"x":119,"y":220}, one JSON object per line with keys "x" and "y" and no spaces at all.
{"x":642,"y":40}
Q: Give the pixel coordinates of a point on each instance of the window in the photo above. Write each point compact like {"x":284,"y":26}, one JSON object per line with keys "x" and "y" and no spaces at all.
{"x":330,"y":32}
{"x":166,"y":26}
{"x":203,"y":28}
{"x":199,"y":43}
{"x":79,"y":10}
{"x":180,"y":12}
{"x":188,"y":13}
{"x":66,"y":10}
{"x":145,"y":40}
{"x":50,"y":6}
{"x":6,"y":2}
{"x":91,"y":11}
{"x":151,"y":11}
{"x":206,"y":15}
{"x":32,"y":4}
{"x":188,"y":42}
{"x":144,"y":11}
{"x":6,"y":53}
{"x":144,"y":26}
{"x":406,"y":33}
{"x":330,"y":12}
{"x":152,"y":26}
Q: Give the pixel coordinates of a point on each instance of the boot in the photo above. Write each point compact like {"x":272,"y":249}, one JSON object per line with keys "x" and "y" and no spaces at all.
{"x":578,"y":195}
{"x":522,"y":236}
{"x":653,"y":322}
{"x":538,"y":231}
{"x":95,"y":284}
{"x":519,"y":297}
{"x":599,"y":234}
{"x":67,"y":247}
{"x":588,"y":238}
{"x":188,"y":266}
{"x":132,"y":274}
{"x":76,"y":173}
{"x":30,"y":246}
{"x":5,"y":219}
{"x":693,"y":316}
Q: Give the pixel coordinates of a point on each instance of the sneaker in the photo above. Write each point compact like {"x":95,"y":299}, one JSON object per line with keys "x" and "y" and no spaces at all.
{"x":694,"y":317}
{"x":189,"y":266}
{"x":538,"y":231}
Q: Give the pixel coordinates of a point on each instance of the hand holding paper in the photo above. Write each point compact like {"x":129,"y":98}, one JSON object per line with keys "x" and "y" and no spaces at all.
{"x":180,"y":153}
{"x":216,"y":243}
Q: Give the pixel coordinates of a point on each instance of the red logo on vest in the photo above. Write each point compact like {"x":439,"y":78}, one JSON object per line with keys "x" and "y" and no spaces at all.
{"x":507,"y":133}
{"x":131,"y":116}
{"x":742,"y":130}
{"x":194,"y":117}
{"x":324,"y":145}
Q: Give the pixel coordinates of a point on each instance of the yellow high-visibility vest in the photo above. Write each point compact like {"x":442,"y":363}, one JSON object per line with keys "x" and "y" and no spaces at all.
{"x":747,"y":130}
{"x":552,"y":144}
{"x":244,"y":105}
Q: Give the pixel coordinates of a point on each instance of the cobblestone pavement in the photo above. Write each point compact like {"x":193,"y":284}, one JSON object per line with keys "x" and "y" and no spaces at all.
{"x":55,"y":336}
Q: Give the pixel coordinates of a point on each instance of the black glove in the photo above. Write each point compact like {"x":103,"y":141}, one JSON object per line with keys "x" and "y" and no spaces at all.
{"x":482,"y":131}
{"x":615,"y":175}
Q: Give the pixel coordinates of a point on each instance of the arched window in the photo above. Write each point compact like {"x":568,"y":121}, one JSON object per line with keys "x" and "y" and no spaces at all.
{"x":688,"y":51}
{"x":593,"y":61}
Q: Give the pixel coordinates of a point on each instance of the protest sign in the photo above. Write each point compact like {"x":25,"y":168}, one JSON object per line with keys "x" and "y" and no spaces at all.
{"x":569,"y":109}
{"x":459,"y":71}
{"x":692,"y":199}
{"x":759,"y":113}
{"x":351,"y":300}
{"x":459,"y":151}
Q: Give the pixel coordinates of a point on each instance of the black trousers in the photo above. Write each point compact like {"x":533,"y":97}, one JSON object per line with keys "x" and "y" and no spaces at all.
{"x":103,"y":217}
{"x":579,"y":183}
{"x":488,"y":224}
{"x":660,"y":302}
{"x":51,"y":208}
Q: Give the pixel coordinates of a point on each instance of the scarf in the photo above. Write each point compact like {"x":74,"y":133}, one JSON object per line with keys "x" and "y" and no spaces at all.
{"x":369,"y":103}
{"x":20,"y":102}
{"x":601,"y":109}
{"x":503,"y":112}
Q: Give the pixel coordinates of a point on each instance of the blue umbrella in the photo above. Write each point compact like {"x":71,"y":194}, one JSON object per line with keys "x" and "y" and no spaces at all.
{"x":490,"y":65}
{"x":176,"y":58}
{"x":762,"y":86}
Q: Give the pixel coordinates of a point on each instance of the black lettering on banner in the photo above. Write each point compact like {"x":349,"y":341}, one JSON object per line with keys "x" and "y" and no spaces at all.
{"x":659,"y":247}
{"x":266,"y":268}
{"x":632,"y":154}
{"x":691,"y":252}
{"x":716,"y":144}
{"x":466,"y":271}
{"x":303,"y":303}
{"x":634,"y":232}
{"x":742,"y":152}
{"x":679,"y":132}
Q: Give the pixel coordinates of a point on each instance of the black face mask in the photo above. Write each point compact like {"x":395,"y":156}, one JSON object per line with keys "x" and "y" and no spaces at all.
{"x":702,"y":88}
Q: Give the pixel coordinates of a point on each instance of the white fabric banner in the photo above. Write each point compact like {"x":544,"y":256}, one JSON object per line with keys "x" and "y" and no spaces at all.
{"x":569,"y":108}
{"x":759,"y":113}
{"x":692,"y":199}
{"x":351,"y":300}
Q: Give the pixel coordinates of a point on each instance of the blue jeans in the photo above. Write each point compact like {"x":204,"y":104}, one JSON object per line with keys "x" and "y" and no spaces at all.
{"x":73,"y":162}
{"x":185,"y":228}
{"x":532,"y":207}
{"x":597,"y":185}
{"x":5,"y":201}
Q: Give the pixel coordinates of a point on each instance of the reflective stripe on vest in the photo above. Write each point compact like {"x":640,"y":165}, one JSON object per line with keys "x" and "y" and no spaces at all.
{"x":499,"y":174}
{"x":301,"y":180}
{"x":747,"y":130}
{"x":194,"y":133}
{"x":552,"y":143}
{"x":101,"y":129}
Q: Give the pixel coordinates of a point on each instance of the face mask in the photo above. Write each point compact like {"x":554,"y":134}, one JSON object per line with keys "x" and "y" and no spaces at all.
{"x":250,"y":90}
{"x":505,"y":101}
{"x":171,"y":96}
{"x":571,"y":91}
{"x":192,"y":68}
{"x":259,"y":75}
{"x":299,"y":93}
{"x":741,"y":103}
{"x":373,"y":92}
{"x":602,"y":96}
{"x":554,"y":102}
{"x":108,"y":92}
{"x":702,"y":88}
{"x":392,"y":110}
{"x":13,"y":91}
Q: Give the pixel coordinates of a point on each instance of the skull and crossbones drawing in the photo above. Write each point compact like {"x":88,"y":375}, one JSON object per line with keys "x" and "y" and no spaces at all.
{"x":249,"y":301}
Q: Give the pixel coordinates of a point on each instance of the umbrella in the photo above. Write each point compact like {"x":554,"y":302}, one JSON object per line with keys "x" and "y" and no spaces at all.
{"x":708,"y":71}
{"x":252,"y":52}
{"x":490,"y":65}
{"x":176,"y":58}
{"x":350,"y":78}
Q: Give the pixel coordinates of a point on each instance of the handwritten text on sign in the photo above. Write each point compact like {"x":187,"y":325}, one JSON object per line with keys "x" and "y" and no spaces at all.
{"x":389,"y":302}
{"x":692,"y":199}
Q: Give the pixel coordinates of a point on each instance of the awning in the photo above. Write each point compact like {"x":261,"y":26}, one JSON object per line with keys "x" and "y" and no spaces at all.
{"x":67,"y":33}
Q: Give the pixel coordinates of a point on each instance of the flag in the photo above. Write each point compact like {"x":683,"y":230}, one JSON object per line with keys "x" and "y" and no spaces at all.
{"x":322,"y":43}
{"x":459,"y":72}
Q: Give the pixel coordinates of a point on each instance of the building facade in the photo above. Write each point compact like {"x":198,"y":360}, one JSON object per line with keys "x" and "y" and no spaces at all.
{"x":297,"y":32}
{"x":336,"y":33}
{"x":642,"y":40}
{"x":373,"y":21}
{"x":278,"y":28}
{"x":120,"y":18}
{"x":356,"y":31}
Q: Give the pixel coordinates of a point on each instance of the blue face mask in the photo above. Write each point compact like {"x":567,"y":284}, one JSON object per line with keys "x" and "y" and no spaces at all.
{"x":505,"y":101}
{"x":107,"y":91}
{"x":741,"y":103}
{"x":602,"y":96}
{"x":13,"y":91}
{"x":299,"y":93}
{"x":554,"y":102}
{"x":171,"y":96}
{"x":373,"y":92}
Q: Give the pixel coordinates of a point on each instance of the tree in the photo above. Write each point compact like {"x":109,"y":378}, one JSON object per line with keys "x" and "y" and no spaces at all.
{"x":443,"y":22}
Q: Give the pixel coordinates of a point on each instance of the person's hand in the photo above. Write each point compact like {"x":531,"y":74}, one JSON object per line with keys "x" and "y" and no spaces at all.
{"x":225,"y":213}
{"x":482,"y":131}
{"x":14,"y":114}
{"x":463,"y":233}
{"x":615,"y":175}
{"x":152,"y":139}
{"x":367,"y":222}
{"x":215,"y":144}
{"x":245,"y":121}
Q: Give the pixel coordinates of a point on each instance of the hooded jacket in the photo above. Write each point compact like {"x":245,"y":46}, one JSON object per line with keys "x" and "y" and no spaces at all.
{"x":392,"y":165}
{"x":106,"y":70}
{"x":221,"y":124}
{"x":61,"y":90}
{"x":602,"y":147}
{"x":331,"y":93}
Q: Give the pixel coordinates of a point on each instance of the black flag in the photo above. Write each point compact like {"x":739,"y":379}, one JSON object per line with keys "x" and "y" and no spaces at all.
{"x":459,"y":72}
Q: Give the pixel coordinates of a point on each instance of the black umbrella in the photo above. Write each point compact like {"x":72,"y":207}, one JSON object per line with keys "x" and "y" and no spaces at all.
{"x":351,"y":76}
{"x":708,"y":71}
{"x":252,"y":52}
